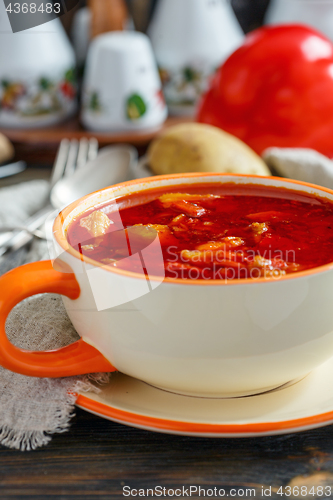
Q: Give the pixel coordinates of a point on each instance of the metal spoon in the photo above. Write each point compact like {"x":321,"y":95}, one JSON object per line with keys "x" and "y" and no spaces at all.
{"x":12,"y":169}
{"x":37,"y":232}
{"x":111,"y":166}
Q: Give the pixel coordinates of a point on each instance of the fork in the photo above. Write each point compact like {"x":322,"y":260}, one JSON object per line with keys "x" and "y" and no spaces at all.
{"x":71,"y":156}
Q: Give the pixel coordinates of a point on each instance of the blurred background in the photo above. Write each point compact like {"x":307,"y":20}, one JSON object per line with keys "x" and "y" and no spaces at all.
{"x":250,"y":13}
{"x":69,"y":88}
{"x":124,"y":70}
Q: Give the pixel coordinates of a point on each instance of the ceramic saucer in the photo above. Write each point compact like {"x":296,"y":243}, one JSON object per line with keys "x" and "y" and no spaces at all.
{"x":296,"y":407}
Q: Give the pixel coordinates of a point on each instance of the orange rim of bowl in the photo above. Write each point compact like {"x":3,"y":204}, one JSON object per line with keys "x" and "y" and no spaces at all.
{"x":62,"y":241}
{"x":177,"y":426}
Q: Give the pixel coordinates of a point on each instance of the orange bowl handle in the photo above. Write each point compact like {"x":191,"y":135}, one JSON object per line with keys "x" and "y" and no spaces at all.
{"x":75,"y":359}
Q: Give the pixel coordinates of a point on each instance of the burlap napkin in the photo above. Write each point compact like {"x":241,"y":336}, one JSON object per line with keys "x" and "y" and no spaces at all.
{"x":32,"y":409}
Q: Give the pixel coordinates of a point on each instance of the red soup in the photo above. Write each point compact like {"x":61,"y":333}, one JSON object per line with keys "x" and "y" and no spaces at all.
{"x":211,"y":232}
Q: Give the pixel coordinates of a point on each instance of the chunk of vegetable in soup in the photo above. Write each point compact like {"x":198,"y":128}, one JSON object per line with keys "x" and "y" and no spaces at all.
{"x":233,"y":233}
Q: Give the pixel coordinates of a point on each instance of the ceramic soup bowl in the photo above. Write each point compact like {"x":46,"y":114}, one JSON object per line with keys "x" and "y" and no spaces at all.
{"x":212,"y":338}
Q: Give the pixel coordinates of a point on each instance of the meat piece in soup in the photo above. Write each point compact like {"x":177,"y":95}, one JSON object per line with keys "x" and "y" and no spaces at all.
{"x":222,"y":234}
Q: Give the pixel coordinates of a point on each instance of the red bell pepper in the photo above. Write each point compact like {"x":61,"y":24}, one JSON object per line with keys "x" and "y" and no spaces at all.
{"x":276,"y":90}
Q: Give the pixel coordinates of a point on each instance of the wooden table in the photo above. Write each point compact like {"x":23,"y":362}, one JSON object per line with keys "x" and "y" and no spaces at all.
{"x":96,"y":458}
{"x":39,"y":146}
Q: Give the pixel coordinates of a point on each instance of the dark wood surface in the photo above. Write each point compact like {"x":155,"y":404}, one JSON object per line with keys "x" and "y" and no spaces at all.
{"x":96,"y":458}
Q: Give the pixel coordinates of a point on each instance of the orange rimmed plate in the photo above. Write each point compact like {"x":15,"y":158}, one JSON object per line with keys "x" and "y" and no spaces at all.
{"x":295,"y":407}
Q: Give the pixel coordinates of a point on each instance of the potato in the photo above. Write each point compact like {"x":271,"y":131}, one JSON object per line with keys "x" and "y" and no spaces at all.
{"x":195,"y":147}
{"x":6,"y":149}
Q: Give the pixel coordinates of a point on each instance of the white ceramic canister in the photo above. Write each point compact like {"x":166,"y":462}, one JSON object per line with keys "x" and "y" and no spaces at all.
{"x":315,"y":13}
{"x":37,"y":75}
{"x":122,"y":90}
{"x":191,"y":38}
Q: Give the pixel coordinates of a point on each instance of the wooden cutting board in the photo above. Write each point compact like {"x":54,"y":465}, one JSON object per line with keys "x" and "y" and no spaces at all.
{"x":38,"y":146}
